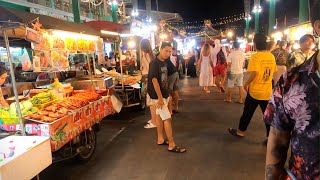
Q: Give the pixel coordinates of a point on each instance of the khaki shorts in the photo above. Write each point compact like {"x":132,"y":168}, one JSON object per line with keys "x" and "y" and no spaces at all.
{"x":164,"y":111}
{"x":235,"y":79}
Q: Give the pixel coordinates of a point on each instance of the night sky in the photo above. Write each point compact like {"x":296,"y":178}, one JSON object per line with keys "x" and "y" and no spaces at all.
{"x":195,"y":10}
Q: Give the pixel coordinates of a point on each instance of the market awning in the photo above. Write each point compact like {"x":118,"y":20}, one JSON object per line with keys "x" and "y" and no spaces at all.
{"x":107,"y":26}
{"x":7,"y":14}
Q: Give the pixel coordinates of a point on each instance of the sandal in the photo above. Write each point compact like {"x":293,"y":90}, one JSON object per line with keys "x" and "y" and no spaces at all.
{"x":165,"y":142}
{"x":177,"y":149}
{"x":227,"y":101}
{"x":234,"y":132}
{"x":239,"y":102}
{"x":222,"y":90}
{"x":150,"y":126}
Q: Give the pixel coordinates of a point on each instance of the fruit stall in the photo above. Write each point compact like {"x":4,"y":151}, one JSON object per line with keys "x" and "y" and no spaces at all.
{"x":66,"y":118}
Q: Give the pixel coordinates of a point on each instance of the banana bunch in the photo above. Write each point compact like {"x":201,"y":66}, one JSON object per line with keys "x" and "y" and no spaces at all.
{"x":41,"y":98}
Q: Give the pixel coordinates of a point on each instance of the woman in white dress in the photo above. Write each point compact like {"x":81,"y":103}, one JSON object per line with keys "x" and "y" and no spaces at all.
{"x":206,"y":68}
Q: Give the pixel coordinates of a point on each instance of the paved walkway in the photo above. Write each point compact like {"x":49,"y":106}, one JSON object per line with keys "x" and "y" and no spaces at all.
{"x":201,"y":127}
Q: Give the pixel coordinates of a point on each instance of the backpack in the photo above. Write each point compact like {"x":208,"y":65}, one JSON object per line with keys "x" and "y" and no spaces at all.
{"x":221,"y":58}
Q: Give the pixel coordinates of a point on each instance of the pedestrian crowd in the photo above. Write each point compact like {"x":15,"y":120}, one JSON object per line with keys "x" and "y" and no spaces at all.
{"x":284,"y":83}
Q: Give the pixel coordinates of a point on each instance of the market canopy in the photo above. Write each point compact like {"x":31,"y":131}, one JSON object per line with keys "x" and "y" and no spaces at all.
{"x":12,"y":15}
{"x":107,"y":26}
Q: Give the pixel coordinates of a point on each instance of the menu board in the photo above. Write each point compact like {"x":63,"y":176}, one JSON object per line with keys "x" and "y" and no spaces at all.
{"x":71,"y":45}
{"x":45,"y":60}
{"x":58,"y":43}
{"x":59,"y":59}
{"x":44,"y":44}
{"x":91,"y":46}
{"x":82,"y":45}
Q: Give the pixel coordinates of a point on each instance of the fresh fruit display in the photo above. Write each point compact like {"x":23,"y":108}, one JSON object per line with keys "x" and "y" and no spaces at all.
{"x":42,"y":98}
{"x":9,"y":115}
{"x":82,"y":45}
{"x":58,"y":43}
{"x":71,"y":45}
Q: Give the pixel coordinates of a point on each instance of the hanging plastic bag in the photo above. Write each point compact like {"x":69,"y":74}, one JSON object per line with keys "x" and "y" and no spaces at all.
{"x":25,"y":60}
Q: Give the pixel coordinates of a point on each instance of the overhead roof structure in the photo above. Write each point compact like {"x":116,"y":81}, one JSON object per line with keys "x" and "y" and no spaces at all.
{"x":157,"y":15}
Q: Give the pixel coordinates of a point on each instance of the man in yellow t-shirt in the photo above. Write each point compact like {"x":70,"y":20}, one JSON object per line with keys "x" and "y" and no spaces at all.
{"x":262,"y":66}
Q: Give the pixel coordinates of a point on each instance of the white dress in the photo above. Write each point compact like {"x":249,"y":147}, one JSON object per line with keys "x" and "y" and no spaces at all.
{"x":206,"y":72}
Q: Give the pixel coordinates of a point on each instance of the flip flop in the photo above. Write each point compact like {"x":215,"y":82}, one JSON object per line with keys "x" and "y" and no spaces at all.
{"x":234,"y":132}
{"x":177,"y":149}
{"x":165,"y":142}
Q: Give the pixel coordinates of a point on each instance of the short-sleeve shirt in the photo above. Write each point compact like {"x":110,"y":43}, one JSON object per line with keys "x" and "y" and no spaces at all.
{"x":159,"y":70}
{"x":264,"y":64}
{"x":172,"y":68}
{"x":294,"y":107}
{"x":281,"y":56}
{"x":236,"y":58}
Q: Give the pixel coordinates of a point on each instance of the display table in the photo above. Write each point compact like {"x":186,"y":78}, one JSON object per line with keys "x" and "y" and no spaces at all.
{"x":24,"y":157}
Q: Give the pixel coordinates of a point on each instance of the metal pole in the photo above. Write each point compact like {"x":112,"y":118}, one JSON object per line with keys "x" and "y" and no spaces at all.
{"x":272,"y":15}
{"x":90,"y":72}
{"x":13,"y":80}
{"x":256,"y":25}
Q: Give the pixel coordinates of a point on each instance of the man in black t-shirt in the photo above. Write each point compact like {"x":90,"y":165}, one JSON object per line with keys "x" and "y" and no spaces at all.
{"x":159,"y":93}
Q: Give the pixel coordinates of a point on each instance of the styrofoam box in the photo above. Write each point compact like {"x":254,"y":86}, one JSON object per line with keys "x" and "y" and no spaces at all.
{"x":23,"y":157}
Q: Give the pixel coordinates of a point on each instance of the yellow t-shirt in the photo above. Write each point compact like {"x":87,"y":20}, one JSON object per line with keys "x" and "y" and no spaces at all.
{"x":264,"y":64}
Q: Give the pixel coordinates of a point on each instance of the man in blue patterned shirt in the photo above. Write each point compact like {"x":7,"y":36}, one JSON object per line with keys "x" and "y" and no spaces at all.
{"x":293,"y":113}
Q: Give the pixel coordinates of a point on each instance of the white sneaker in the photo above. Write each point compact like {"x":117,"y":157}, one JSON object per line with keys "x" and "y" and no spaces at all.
{"x":150,"y":126}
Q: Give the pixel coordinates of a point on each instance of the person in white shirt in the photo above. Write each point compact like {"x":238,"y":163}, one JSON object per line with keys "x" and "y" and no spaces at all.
{"x":146,"y":56}
{"x":235,"y":62}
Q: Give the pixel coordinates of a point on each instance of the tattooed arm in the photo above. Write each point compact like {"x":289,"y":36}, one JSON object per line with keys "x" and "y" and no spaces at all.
{"x":278,"y":144}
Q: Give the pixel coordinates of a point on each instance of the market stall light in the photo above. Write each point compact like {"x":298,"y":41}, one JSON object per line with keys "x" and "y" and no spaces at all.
{"x":65,"y":34}
{"x":114,"y":2}
{"x":131,"y":44}
{"x":250,"y":36}
{"x":287,"y":31}
{"x":127,"y":35}
{"x":230,"y":34}
{"x":296,"y":46}
{"x":163,"y":36}
{"x":109,"y":33}
{"x":154,"y":28}
{"x":135,"y":13}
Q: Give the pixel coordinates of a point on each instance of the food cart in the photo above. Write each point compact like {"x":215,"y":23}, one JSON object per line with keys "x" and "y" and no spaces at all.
{"x":66,"y":119}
